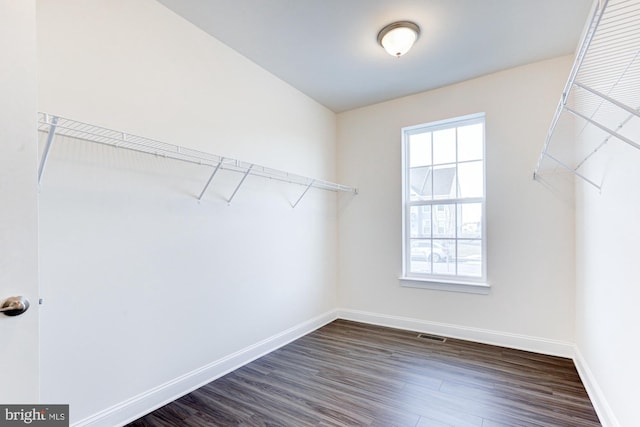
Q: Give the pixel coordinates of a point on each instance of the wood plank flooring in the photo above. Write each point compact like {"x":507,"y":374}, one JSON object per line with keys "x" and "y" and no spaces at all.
{"x":352,"y":374}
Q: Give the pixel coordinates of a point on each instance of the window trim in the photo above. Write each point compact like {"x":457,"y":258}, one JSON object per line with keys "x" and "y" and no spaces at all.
{"x":458,"y":283}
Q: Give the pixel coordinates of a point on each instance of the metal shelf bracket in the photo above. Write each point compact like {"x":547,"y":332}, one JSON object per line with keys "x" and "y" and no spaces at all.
{"x":303,"y":193}
{"x":215,"y":171}
{"x":53,"y":124}
{"x":246,"y":174}
{"x":603,"y":127}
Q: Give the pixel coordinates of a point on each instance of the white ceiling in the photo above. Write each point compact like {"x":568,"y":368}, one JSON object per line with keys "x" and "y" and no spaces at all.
{"x":328,"y":49}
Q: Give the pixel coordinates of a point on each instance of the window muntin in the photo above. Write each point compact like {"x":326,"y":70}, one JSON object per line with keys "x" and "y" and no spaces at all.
{"x":444,"y":200}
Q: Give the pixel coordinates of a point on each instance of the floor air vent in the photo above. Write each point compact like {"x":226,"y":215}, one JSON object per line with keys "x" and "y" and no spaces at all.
{"x":430,"y":337}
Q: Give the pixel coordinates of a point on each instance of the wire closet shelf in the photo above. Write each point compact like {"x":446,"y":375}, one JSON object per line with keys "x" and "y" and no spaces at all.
{"x":602,"y":93}
{"x":54,"y":126}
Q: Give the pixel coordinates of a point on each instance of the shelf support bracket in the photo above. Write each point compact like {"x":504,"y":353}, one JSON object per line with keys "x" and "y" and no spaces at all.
{"x":604,"y":128}
{"x":52,"y":132}
{"x":215,"y":171}
{"x":240,"y":184}
{"x":303,"y":193}
{"x":606,"y":140}
{"x":608,"y":99}
{"x":573,"y":171}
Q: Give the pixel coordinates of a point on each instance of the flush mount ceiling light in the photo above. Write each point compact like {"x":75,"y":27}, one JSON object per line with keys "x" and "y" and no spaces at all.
{"x":398,"y":37}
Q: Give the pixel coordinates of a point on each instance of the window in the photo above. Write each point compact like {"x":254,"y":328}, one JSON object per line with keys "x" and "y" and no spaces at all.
{"x":444,"y":202}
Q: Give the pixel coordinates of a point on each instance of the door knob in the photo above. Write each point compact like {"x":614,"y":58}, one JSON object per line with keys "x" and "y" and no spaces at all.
{"x":14,"y":306}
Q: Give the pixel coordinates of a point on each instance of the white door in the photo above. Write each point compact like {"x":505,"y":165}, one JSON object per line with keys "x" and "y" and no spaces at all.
{"x":19,"y":339}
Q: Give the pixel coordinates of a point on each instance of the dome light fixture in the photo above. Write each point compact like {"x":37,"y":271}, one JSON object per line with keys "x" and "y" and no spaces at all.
{"x":398,"y":37}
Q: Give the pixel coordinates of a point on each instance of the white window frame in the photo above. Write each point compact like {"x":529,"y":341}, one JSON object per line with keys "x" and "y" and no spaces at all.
{"x":450,"y":282}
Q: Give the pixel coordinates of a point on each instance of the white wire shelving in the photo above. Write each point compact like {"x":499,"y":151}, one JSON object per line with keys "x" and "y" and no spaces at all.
{"x":54,"y":126}
{"x":602,"y":94}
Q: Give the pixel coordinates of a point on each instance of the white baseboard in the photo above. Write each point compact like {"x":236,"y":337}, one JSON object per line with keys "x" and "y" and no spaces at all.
{"x":520,"y":342}
{"x":504,"y":339}
{"x":137,"y":406}
{"x":600,"y":404}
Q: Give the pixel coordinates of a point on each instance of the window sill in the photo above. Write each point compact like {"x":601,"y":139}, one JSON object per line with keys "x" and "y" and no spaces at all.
{"x":480,"y":288}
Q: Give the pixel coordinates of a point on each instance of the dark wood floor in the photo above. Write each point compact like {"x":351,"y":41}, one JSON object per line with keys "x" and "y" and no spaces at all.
{"x":352,"y":374}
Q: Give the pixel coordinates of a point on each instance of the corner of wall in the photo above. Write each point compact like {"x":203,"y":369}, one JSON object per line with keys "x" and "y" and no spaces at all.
{"x":598,"y":399}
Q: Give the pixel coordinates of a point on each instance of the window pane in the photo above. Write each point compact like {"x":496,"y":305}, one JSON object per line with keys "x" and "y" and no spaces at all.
{"x":470,"y":180}
{"x":470,"y":220}
{"x":420,"y":221}
{"x":470,"y":142}
{"x":444,"y":182}
{"x":470,"y":258}
{"x":420,"y":149}
{"x":444,"y":146}
{"x":444,"y":199}
{"x":444,"y":220}
{"x":443,"y":256}
{"x":420,"y":183}
{"x":419,"y":261}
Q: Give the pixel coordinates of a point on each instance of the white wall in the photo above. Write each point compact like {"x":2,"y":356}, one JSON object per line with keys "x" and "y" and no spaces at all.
{"x":142,"y":284}
{"x":530,"y":229}
{"x":19,"y":361}
{"x":608,"y":234}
